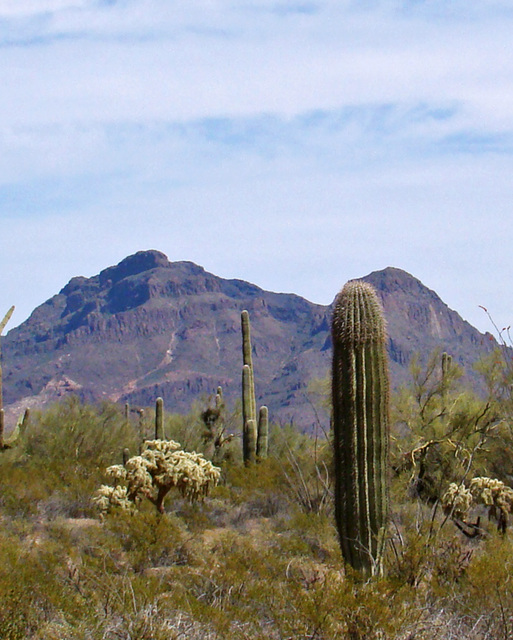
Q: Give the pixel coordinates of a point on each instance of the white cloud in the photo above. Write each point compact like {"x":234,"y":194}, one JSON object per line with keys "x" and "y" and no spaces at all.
{"x":291,"y":144}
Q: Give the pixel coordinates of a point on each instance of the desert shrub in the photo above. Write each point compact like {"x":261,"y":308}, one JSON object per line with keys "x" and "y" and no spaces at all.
{"x":149,"y":539}
{"x":62,"y":452}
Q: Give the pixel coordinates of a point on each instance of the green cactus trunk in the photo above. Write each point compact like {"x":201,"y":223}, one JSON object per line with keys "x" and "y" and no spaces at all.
{"x":2,"y":429}
{"x":250,"y":442}
{"x":248,"y":454}
{"x":159,"y":419}
{"x":360,"y":394}
{"x":248,"y":360}
{"x":6,"y":319}
{"x":262,"y":444}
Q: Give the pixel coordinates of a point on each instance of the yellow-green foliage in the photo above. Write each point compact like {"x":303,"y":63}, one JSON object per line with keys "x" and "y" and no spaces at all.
{"x":248,"y":561}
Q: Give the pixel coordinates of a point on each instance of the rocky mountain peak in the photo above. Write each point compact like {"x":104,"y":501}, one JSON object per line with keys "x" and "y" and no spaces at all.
{"x":148,"y":327}
{"x":133,"y":265}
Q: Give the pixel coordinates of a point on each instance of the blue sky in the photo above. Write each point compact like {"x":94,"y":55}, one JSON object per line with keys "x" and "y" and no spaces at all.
{"x":292,"y":144}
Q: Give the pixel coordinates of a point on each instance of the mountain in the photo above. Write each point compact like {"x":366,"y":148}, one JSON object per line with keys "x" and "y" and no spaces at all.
{"x":148,"y":327}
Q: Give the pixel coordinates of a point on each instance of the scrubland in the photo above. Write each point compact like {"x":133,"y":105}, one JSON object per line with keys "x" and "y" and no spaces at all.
{"x":258,"y":557}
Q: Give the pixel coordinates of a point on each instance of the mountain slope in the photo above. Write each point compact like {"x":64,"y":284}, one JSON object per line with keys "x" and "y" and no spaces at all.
{"x":149,"y":327}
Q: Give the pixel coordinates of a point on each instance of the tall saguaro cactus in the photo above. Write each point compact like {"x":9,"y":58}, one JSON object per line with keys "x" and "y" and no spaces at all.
{"x":255,"y":429}
{"x":360,"y":394}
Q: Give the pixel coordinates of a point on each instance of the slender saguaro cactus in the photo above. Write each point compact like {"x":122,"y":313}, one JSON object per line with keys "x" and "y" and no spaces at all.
{"x":250,"y":438}
{"x":248,"y":454}
{"x":6,"y":319}
{"x":262,"y":444}
{"x":255,"y":430}
{"x":248,"y":360}
{"x":2,"y":429}
{"x":360,"y":394}
{"x":159,"y":419}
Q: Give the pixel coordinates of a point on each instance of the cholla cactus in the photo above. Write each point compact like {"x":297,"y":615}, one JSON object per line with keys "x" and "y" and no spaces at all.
{"x":161,"y":466}
{"x":495,"y":495}
{"x":457,"y":501}
{"x":108,"y":498}
{"x":490,"y":492}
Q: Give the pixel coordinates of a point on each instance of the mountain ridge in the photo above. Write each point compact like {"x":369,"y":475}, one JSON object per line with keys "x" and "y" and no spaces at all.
{"x":148,"y":327}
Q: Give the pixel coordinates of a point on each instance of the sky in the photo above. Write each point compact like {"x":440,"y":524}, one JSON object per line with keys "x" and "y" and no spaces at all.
{"x":295,"y":144}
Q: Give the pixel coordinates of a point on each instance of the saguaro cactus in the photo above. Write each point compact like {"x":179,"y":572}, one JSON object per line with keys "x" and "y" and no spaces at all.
{"x":159,"y":419}
{"x":248,"y":361}
{"x":262,"y":444}
{"x":360,"y":394}
{"x":255,"y":429}
{"x":6,"y":319}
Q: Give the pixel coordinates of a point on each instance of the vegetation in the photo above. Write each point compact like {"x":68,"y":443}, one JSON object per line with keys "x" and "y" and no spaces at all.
{"x":254,"y":552}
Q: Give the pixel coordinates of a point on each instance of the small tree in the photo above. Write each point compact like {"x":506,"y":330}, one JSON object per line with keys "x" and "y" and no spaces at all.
{"x":161,"y":466}
{"x":444,"y":429}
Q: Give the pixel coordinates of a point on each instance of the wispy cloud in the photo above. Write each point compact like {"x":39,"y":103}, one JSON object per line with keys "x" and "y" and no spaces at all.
{"x":290,"y":143}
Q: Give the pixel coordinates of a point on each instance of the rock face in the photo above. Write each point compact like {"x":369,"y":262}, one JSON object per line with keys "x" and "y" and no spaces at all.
{"x":148,"y":327}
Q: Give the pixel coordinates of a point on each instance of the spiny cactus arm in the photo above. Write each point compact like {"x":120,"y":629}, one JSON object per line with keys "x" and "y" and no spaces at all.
{"x":159,"y":419}
{"x":17,"y":432}
{"x":249,"y":423}
{"x":263,"y":434}
{"x":248,"y":360}
{"x":6,"y":319}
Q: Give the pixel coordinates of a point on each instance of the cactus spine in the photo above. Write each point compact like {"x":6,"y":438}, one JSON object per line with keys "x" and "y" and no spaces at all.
{"x":360,"y":394}
{"x":159,"y":419}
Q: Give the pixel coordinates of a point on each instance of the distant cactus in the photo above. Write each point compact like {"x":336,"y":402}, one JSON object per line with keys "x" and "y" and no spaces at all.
{"x":360,"y":394}
{"x":159,"y":419}
{"x":251,"y":436}
{"x":446,"y":366}
{"x":250,"y":406}
{"x":490,"y":492}
{"x":17,"y":432}
{"x":214,"y":434}
{"x":219,"y":398}
{"x":262,"y":434}
{"x":2,"y":429}
{"x":4,"y":322}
